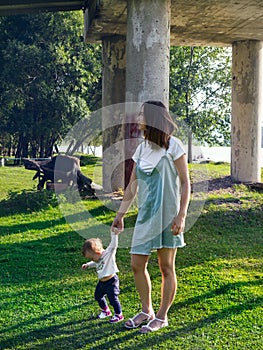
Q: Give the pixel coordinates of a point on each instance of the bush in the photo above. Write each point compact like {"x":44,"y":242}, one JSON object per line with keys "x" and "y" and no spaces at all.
{"x":30,"y":200}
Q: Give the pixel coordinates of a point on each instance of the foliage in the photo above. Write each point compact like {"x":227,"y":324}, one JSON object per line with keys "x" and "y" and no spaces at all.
{"x":88,"y":160}
{"x":200,"y":92}
{"x":49,"y":80}
{"x":47,"y":301}
{"x":29,"y":201}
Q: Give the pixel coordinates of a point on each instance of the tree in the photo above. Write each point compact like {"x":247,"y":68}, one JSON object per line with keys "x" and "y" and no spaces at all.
{"x":200,"y":92}
{"x":49,"y":79}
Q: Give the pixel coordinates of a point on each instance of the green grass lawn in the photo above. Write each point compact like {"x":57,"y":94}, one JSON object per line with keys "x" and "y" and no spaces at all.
{"x":47,"y":300}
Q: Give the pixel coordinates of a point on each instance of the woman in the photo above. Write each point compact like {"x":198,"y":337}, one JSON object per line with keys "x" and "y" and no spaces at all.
{"x":160,"y":174}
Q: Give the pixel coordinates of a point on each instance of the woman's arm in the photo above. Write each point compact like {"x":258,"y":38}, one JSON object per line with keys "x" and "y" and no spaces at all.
{"x":127,"y":200}
{"x":182,"y":169}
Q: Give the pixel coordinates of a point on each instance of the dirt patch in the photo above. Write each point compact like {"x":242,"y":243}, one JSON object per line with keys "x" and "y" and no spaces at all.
{"x":220,"y":184}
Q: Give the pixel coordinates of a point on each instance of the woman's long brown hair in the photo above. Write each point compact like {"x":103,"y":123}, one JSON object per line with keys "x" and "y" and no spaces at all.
{"x":158,"y":123}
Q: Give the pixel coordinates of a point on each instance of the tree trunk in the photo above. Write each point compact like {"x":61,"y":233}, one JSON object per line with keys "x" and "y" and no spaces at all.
{"x":41,"y":147}
{"x":18,"y":152}
{"x":190,"y":146}
{"x":25,"y":147}
{"x":33,"y":150}
{"x":187,"y":100}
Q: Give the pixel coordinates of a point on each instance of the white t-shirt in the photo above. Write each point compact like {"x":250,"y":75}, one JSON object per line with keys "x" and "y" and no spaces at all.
{"x":106,"y":265}
{"x":150,"y":157}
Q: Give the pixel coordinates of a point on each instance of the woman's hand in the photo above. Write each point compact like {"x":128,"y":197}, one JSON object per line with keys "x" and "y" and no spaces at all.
{"x":127,"y":200}
{"x":118,"y":223}
{"x":181,"y":165}
{"x":178,"y":225}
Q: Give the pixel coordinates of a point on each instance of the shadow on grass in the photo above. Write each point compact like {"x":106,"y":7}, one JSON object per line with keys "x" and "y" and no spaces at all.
{"x":85,"y":335}
{"x":220,"y":234}
{"x":52,"y":223}
{"x":100,"y":335}
{"x":90,"y":160}
{"x":214,"y":293}
{"x":167,"y":334}
{"x":56,"y":256}
{"x":53,"y":254}
{"x":36,"y":225}
{"x":27,"y":201}
{"x":45,"y":317}
{"x":91,"y":328}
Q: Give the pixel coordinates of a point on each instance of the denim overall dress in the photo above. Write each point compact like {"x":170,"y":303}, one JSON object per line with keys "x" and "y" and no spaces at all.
{"x":158,"y":204}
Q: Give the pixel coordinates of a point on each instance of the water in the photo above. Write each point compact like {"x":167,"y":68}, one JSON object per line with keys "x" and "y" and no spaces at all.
{"x":215,"y":154}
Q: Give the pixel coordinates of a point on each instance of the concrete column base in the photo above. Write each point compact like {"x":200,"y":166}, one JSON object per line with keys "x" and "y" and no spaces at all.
{"x":113,"y":95}
{"x":247,"y":95}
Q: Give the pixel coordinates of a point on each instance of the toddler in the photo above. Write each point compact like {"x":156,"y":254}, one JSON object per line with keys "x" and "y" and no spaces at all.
{"x":104,"y":260}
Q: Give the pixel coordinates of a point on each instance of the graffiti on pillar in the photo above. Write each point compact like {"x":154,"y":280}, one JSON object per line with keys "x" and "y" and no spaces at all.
{"x":132,"y":138}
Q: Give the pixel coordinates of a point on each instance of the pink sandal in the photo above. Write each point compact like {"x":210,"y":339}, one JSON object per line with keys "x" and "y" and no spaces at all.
{"x":116,"y":318}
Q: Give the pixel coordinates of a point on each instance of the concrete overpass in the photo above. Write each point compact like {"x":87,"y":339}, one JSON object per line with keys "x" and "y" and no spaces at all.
{"x":15,"y":7}
{"x":136,"y":36}
{"x":193,"y":22}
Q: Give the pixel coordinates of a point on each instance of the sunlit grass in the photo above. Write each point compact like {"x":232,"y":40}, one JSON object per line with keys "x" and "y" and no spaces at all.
{"x":47,"y":301}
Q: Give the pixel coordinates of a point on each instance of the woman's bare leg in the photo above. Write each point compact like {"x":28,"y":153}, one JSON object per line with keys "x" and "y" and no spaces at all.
{"x":143,"y":284}
{"x":166,"y":259}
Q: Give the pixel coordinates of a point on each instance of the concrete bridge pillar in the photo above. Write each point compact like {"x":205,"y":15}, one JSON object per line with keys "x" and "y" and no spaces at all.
{"x":146,"y":67}
{"x":114,"y":69}
{"x":247,"y":95}
{"x":113,"y":97}
{"x":147,"y":63}
{"x":148,"y":50}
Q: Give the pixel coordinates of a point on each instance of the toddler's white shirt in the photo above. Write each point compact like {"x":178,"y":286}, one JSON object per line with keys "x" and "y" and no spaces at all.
{"x":106,"y":265}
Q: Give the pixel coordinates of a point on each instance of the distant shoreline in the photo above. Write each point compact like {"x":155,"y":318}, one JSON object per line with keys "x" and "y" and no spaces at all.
{"x":200,"y":153}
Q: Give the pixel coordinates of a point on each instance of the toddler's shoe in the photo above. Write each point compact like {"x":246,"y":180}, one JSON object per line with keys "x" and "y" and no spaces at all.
{"x":104,"y":313}
{"x":116,"y":318}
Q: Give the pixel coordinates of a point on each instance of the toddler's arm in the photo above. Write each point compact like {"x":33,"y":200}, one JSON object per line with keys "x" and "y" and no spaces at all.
{"x":88,"y":264}
{"x":114,"y":239}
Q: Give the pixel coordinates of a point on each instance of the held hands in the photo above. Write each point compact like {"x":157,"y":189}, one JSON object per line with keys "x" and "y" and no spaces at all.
{"x":118,"y":224}
{"x":115,"y":230}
